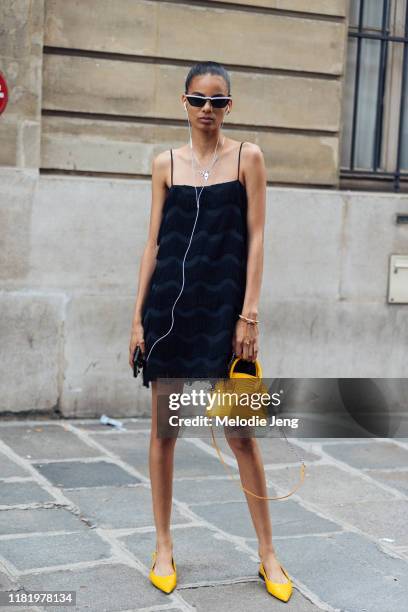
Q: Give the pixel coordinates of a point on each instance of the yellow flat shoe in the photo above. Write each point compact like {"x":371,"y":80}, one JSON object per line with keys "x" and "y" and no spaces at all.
{"x":167,"y":584}
{"x":281,"y":590}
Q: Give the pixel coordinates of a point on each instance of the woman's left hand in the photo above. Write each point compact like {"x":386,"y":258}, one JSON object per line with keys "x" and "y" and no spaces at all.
{"x":245,"y":340}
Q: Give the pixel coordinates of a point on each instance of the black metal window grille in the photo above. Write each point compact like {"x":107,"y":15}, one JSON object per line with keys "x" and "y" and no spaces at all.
{"x":374,"y":140}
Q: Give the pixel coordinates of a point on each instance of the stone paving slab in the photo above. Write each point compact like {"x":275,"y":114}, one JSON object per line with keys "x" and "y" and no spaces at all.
{"x":381,"y":519}
{"x":330,"y":440}
{"x":74,"y":474}
{"x":396,"y":479}
{"x":5,"y":582}
{"x":328,"y":484}
{"x":39,"y":520}
{"x":9,"y":468}
{"x":21,"y":608}
{"x":242,"y":597}
{"x":13,"y":493}
{"x":45,"y":442}
{"x":380,"y":455}
{"x":287,"y":519}
{"x":119,"y":507}
{"x":105,"y":588}
{"x":349,"y":571}
{"x":194,"y":491}
{"x":51,"y":550}
{"x":188,"y":459}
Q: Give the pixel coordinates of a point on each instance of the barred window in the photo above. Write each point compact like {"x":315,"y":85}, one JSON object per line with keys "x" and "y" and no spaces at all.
{"x":374,"y":139}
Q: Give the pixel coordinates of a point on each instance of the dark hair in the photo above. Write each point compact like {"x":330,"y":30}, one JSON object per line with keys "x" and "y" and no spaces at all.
{"x":208,"y":68}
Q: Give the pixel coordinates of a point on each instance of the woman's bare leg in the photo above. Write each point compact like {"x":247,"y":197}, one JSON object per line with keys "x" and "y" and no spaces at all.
{"x":252,"y":473}
{"x":161,"y":463}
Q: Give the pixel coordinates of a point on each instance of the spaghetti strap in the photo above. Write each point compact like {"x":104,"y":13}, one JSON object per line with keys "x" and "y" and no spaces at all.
{"x":239,"y":159}
{"x":171,"y":155}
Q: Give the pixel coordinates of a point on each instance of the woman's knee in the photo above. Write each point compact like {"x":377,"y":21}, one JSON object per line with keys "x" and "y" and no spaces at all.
{"x":163,"y":443}
{"x":241,"y":445}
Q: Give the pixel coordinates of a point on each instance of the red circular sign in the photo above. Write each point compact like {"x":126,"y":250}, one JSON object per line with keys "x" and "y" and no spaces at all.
{"x":3,"y":93}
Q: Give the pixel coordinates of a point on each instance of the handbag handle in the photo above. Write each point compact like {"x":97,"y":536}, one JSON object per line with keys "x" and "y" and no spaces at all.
{"x":233,"y":374}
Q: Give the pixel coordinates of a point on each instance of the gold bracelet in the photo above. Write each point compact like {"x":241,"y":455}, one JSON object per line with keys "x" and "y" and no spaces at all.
{"x":253,"y":321}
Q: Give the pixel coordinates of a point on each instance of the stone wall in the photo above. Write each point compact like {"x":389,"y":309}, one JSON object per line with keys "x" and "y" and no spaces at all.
{"x":21,"y":57}
{"x":74,"y":248}
{"x":95,"y":90}
{"x":113,"y":73}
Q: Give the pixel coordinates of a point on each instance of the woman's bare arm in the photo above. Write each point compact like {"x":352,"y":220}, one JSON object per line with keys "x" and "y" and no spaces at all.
{"x":148,"y":262}
{"x":255,"y":183}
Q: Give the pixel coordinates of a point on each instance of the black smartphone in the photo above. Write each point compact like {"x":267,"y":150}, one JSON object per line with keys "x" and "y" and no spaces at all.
{"x":138,"y":361}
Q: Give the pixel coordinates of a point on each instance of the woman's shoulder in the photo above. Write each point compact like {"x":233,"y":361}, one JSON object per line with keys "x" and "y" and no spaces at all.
{"x":251,"y":149}
{"x":252,"y":160}
{"x":163,"y":159}
{"x":161,"y":166}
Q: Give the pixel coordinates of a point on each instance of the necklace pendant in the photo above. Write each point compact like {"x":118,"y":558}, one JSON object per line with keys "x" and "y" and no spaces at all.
{"x":206,"y":175}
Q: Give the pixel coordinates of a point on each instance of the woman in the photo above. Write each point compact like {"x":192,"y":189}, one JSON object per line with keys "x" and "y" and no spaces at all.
{"x":208,"y":213}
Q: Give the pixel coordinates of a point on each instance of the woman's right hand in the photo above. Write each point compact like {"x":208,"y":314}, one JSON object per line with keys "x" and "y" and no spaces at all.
{"x":136,"y":339}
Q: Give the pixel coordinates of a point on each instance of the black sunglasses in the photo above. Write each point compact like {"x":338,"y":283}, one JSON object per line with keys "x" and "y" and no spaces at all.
{"x":216,"y":101}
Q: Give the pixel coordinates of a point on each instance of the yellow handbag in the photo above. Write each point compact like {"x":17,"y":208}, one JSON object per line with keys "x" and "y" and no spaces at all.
{"x":238,"y":386}
{"x":243,"y":384}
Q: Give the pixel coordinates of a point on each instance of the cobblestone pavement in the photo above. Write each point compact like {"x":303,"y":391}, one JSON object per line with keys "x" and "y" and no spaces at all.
{"x":76,"y":514}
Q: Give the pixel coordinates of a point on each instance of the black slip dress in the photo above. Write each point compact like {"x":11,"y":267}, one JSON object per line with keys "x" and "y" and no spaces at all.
{"x":199,"y":345}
